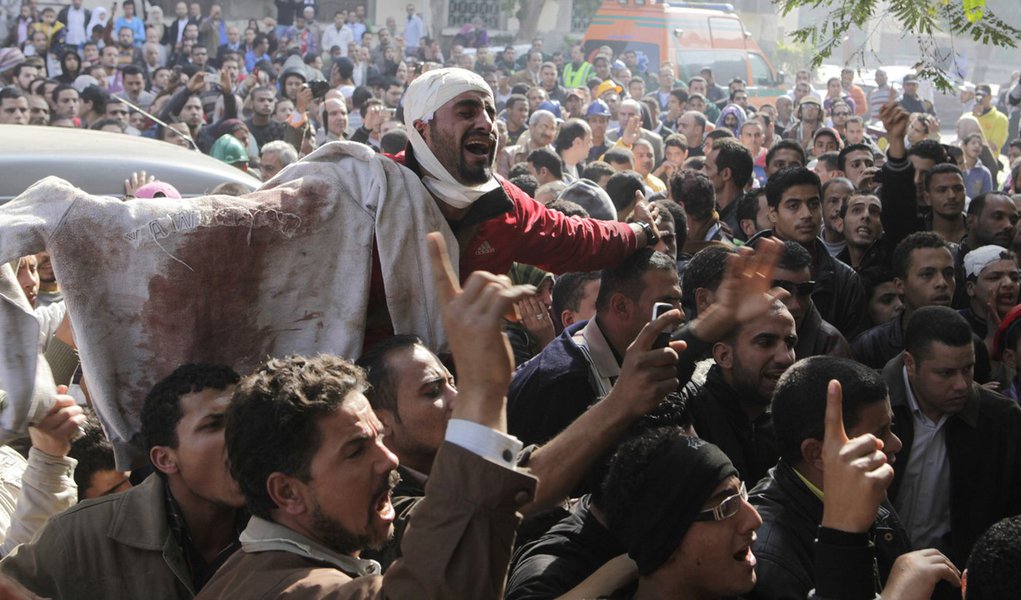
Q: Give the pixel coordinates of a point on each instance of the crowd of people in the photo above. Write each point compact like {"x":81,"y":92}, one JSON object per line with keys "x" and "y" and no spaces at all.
{"x":703,"y":347}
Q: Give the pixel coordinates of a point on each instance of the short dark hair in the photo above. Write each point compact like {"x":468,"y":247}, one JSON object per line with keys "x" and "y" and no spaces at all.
{"x":794,"y":257}
{"x":719,"y":134}
{"x":544,"y":157}
{"x":93,"y":452}
{"x":514,"y":99}
{"x":596,"y":170}
{"x":570,"y":130}
{"x":978,"y":203}
{"x":940,"y":169}
{"x":786,"y":145}
{"x":799,"y":400}
{"x":680,"y":218}
{"x":569,"y":208}
{"x":273,"y":420}
{"x":518,"y":169}
{"x":677,"y":140}
{"x":161,"y":409}
{"x":131,"y":70}
{"x":935,"y":324}
{"x":732,"y":155}
{"x":832,"y":160}
{"x":694,"y":191}
{"x":61,"y":88}
{"x":526,"y":182}
{"x":626,"y":278}
{"x":704,"y":270}
{"x":747,"y":208}
{"x":618,"y":156}
{"x":901,"y":259}
{"x":568,"y":291}
{"x":992,"y":565}
{"x":621,"y":188}
{"x":930,"y":149}
{"x":681,"y":94}
{"x":786,"y":178}
{"x":382,"y":390}
{"x":11,"y":93}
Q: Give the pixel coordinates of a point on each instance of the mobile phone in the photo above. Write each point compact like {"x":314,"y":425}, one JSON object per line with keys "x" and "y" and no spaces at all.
{"x":658,"y":310}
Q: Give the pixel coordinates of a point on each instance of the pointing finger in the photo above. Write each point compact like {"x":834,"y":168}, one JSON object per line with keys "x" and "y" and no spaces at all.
{"x":835,"y":434}
{"x":447,"y":287}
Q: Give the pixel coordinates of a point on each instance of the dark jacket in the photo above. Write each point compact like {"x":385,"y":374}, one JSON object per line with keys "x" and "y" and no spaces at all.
{"x":718,"y":418}
{"x":785,"y":547}
{"x":984,"y":449}
{"x":839,"y":294}
{"x":816,"y":337}
{"x":879,"y":345}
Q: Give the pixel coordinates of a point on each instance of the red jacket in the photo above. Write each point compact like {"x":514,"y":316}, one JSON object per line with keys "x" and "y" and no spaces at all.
{"x":512,"y":227}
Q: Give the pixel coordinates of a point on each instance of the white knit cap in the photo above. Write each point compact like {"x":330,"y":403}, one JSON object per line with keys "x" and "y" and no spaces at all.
{"x":426,"y":94}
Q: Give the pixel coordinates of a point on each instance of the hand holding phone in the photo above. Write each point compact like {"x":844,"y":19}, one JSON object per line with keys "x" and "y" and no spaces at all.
{"x":658,"y":310}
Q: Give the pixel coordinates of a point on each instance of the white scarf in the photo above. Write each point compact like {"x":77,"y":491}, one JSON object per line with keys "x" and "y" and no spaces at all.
{"x":422,"y":99}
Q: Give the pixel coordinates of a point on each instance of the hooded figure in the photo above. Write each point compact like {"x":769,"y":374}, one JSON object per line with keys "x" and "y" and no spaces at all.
{"x":733,"y":111}
{"x":70,"y":66}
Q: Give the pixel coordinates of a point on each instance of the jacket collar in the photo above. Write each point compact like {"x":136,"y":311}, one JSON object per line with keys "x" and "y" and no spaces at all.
{"x":266,"y":536}
{"x":141,"y":519}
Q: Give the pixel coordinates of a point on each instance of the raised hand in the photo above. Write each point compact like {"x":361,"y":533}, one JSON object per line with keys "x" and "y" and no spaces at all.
{"x":915,"y":574}
{"x":648,"y":374}
{"x":473,"y":319}
{"x":856,"y":473}
{"x":61,"y":424}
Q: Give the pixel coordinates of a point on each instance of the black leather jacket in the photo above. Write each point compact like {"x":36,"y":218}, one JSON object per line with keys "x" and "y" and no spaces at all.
{"x":785,"y":543}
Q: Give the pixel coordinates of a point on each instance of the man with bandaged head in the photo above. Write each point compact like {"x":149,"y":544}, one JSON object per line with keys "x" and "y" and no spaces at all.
{"x":449,"y":115}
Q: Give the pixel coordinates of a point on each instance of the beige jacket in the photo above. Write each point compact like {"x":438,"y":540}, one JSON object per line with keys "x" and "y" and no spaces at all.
{"x":457,"y":545}
{"x":113,"y":547}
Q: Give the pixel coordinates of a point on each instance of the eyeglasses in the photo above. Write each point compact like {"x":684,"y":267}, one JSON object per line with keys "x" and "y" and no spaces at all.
{"x":798,"y":289}
{"x":730,"y":506}
{"x":842,"y":114}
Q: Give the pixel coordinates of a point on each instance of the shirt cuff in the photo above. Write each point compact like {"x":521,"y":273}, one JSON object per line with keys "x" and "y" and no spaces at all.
{"x":487,"y":443}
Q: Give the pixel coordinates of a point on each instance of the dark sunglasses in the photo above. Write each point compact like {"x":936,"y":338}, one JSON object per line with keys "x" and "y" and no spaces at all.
{"x":797,"y":289}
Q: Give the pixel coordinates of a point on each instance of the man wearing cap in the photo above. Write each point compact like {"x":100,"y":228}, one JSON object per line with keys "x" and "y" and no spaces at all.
{"x":598,"y":118}
{"x":810,"y":116}
{"x":910,"y":101}
{"x":966,"y":94}
{"x":994,"y":123}
{"x":991,"y":282}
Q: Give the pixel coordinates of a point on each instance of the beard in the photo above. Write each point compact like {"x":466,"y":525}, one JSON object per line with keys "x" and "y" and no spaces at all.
{"x":450,"y":153}
{"x":335,"y":536}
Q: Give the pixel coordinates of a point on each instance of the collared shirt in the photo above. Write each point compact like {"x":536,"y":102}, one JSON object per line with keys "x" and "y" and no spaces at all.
{"x":200,"y":570}
{"x":923,"y":502}
{"x":605,"y":364}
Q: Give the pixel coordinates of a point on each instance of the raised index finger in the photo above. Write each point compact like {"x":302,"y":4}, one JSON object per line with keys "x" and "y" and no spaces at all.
{"x":446,"y":283}
{"x":834,"y":433}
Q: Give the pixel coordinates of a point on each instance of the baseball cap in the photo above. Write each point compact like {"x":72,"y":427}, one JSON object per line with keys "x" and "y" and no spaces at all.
{"x":553,"y":106}
{"x":158,"y":189}
{"x":967,"y":87}
{"x":983,"y":89}
{"x":910,"y":78}
{"x":574,"y":92}
{"x":607,"y":86}
{"x":598,"y":108}
{"x":980,"y":258}
{"x":810,"y":99}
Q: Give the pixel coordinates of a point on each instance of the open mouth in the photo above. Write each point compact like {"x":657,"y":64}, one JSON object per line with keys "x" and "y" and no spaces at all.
{"x":745,"y":556}
{"x":384,"y":507}
{"x":479,"y":147}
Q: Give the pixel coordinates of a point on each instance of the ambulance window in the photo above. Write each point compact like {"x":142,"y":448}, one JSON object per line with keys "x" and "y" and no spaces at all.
{"x":761,"y":74}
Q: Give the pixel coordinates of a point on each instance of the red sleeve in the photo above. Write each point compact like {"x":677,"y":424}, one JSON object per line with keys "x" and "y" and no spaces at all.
{"x":557,"y":243}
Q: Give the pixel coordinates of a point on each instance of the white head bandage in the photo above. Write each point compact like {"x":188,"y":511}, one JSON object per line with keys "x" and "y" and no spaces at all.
{"x":980,"y":258}
{"x":423,"y":98}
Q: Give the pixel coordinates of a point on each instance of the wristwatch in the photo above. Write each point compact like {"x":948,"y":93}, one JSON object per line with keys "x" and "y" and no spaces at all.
{"x":651,"y":237}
